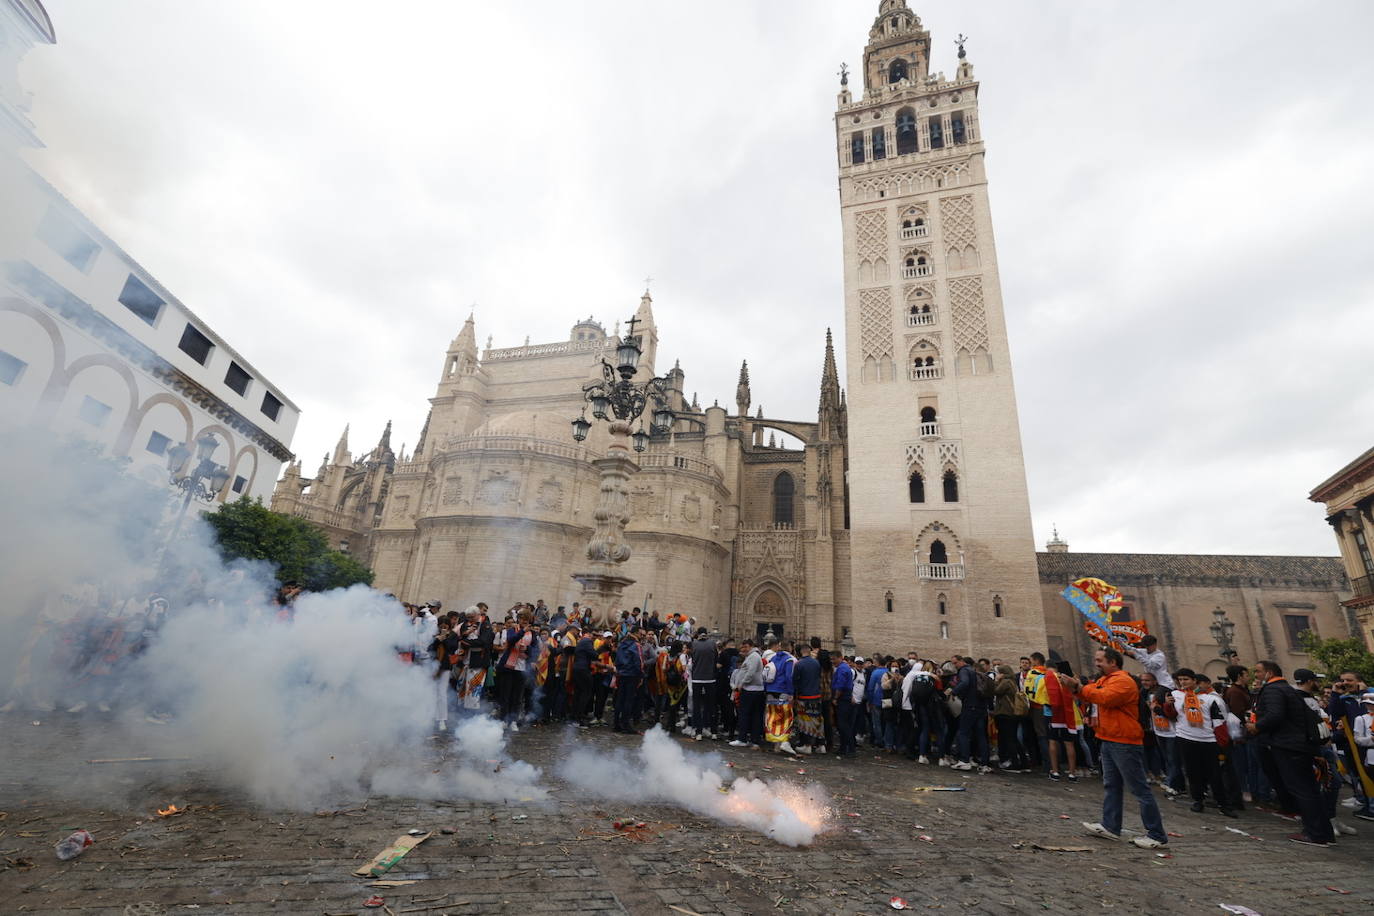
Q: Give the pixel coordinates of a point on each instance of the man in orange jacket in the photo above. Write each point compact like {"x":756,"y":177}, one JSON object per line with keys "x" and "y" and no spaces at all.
{"x":1117,"y":697}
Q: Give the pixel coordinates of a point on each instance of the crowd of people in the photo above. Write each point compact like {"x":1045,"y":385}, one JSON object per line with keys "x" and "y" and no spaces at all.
{"x":1260,"y":740}
{"x":1255,"y":738}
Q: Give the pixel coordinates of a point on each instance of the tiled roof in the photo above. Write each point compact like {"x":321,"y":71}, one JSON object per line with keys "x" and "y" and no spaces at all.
{"x":1192,"y":569}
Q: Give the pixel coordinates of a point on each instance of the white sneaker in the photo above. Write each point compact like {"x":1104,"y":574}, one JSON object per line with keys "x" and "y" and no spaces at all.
{"x":1170,"y":791}
{"x":689,"y":731}
{"x":710,"y":735}
{"x":961,"y":765}
{"x":1340,"y":828}
{"x":443,"y":725}
{"x":944,"y":762}
{"x":514,"y":728}
{"x":1147,"y":842}
{"x":985,"y":770}
{"x":739,"y":744}
{"x":786,"y":748}
{"x":697,"y":738}
{"x":1099,"y":830}
{"x":804,"y":749}
{"x":923,"y":759}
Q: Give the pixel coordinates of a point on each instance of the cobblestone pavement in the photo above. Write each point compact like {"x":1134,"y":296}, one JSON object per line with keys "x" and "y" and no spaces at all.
{"x":227,"y":856}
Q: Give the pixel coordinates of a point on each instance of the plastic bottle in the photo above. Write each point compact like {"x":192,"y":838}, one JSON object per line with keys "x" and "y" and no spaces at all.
{"x":74,"y":845}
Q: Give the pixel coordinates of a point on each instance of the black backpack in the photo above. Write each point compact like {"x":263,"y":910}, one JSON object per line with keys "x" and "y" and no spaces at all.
{"x":986,"y":688}
{"x":674,"y":675}
{"x":922,"y":691}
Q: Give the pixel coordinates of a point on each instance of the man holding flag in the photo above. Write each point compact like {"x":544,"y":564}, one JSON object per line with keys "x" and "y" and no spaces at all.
{"x":1123,"y":757}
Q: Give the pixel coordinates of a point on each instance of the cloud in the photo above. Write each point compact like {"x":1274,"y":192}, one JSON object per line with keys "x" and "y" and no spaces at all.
{"x":1177,"y":194}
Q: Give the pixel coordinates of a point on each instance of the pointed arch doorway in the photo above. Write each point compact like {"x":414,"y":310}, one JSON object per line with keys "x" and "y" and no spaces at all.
{"x":769,"y":612}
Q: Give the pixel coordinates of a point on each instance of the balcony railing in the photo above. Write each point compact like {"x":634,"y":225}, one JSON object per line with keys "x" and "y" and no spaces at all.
{"x":1363,"y":587}
{"x":919,"y":318}
{"x":930,"y":430}
{"x":920,"y":270}
{"x":919,"y":373}
{"x":914,"y":232}
{"x":942,"y":571}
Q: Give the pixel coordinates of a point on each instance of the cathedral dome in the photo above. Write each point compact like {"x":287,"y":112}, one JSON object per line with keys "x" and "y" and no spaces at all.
{"x":539,"y":424}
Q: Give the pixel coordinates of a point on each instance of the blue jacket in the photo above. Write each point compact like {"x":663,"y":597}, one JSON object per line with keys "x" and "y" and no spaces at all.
{"x":873,"y":689}
{"x":966,"y":687}
{"x":842,"y":682}
{"x":806,"y":677}
{"x":628,"y":661}
{"x":782,"y":681}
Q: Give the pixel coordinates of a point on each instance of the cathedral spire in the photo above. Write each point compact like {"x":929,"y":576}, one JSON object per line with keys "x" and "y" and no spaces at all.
{"x":742,"y":390}
{"x":831,"y":398}
{"x":341,"y":450}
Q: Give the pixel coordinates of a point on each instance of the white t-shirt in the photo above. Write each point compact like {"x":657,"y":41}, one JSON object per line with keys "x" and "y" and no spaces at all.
{"x":1156,"y":664}
{"x":1213,"y":713}
{"x":1364,"y":736}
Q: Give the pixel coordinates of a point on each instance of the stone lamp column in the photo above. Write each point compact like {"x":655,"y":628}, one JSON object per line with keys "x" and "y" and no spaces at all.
{"x":602,"y":583}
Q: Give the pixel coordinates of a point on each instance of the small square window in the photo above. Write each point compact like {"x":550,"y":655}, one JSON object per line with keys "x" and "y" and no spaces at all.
{"x":139,"y":299}
{"x":239,"y":484}
{"x":11,"y":368}
{"x":158,"y":443}
{"x":62,"y":236}
{"x":94,"y":412}
{"x":237,"y":379}
{"x":195,"y":344}
{"x":270,"y":405}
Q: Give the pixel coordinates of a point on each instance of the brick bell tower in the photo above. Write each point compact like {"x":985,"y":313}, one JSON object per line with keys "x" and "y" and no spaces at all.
{"x":942,"y":553}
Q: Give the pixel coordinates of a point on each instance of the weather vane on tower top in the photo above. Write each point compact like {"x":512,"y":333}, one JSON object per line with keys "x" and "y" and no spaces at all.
{"x":960,"y":42}
{"x":844,"y":74}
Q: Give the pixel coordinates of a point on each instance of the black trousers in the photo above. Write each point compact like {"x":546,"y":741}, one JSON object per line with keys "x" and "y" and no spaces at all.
{"x":582,"y":694}
{"x":1202,"y":765}
{"x":1009,"y":750}
{"x":1294,"y":769}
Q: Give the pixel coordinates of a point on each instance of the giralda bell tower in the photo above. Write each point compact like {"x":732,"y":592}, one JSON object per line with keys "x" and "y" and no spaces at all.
{"x":942,"y":553}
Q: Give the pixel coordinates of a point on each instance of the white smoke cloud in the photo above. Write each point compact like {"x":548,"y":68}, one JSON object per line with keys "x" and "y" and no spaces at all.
{"x":296,"y":713}
{"x":662,"y":772}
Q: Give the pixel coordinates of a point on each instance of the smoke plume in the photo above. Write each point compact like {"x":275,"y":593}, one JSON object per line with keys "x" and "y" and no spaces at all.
{"x":661,"y":771}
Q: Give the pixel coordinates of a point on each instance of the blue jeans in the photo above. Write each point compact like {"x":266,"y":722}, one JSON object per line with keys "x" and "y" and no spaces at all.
{"x":973,"y":734}
{"x":1173,"y":760}
{"x":1123,"y":766}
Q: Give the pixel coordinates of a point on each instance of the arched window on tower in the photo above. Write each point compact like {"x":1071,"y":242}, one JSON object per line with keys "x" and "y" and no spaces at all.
{"x":951,"y":481}
{"x":937,"y":133}
{"x":906,"y":131}
{"x":916,"y":487}
{"x":896,"y":71}
{"x":856,"y":147}
{"x":938,"y":556}
{"x":783,"y":490}
{"x":943,"y":602}
{"x":997,"y":605}
{"x":879,"y":144}
{"x":887,"y":602}
{"x":930,"y":423}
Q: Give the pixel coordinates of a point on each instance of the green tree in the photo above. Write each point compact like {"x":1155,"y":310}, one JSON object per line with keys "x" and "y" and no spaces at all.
{"x":1337,"y":655}
{"x":300,"y":552}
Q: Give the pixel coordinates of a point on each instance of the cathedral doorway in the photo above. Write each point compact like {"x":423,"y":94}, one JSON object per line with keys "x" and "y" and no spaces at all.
{"x":770,"y":610}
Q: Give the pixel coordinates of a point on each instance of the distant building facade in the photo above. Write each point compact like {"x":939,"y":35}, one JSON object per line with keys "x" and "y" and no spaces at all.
{"x":92,"y":346}
{"x":1349,"y":499}
{"x":1270,"y":600}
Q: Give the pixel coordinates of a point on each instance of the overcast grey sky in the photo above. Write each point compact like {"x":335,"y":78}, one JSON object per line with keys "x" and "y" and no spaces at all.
{"x":1181,"y":194}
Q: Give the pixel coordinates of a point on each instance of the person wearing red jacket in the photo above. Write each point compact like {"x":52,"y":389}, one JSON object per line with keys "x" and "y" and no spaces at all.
{"x":1117,"y":697}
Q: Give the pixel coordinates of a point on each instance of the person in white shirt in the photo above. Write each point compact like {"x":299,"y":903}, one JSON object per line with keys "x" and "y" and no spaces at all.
{"x":1199,"y":710}
{"x":1147,"y":652}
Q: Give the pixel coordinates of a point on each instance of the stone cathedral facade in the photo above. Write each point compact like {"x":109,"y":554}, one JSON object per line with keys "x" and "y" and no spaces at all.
{"x":903,"y":517}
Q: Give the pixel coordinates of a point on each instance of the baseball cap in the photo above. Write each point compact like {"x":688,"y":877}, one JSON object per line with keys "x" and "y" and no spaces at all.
{"x":859,"y":659}
{"x":1303,"y":675}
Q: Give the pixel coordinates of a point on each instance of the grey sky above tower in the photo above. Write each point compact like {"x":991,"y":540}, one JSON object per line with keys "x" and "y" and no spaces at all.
{"x":1180,"y":197}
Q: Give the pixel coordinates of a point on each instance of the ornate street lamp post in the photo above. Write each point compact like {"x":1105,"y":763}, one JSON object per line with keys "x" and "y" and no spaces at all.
{"x":847,"y":645}
{"x":1223,"y":632}
{"x":619,"y":400}
{"x":202,"y":480}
